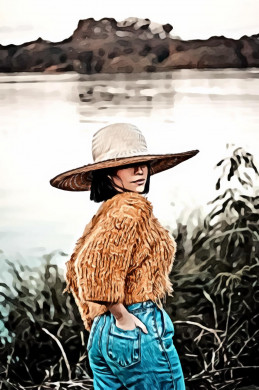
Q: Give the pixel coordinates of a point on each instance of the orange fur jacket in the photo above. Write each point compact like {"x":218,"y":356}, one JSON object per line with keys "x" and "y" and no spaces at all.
{"x":124,"y":256}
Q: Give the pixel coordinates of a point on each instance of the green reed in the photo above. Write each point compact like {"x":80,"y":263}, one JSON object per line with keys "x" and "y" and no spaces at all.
{"x":214,"y":308}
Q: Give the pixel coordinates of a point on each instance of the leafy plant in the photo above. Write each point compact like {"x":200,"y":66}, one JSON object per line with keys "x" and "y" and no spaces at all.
{"x":216,"y":290}
{"x":214,"y":308}
{"x":46,"y":340}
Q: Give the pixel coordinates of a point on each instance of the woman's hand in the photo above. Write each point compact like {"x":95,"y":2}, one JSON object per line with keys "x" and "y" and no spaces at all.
{"x":129,"y":322}
{"x":124,"y":319}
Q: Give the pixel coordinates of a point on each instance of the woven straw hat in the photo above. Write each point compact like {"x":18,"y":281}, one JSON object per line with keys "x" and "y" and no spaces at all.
{"x":113,"y":146}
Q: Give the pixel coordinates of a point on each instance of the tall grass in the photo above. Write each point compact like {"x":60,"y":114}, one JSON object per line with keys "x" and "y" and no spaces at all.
{"x":46,"y":341}
{"x":214,"y":308}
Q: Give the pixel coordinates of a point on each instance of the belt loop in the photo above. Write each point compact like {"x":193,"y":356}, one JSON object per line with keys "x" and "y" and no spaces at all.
{"x":101,"y":332}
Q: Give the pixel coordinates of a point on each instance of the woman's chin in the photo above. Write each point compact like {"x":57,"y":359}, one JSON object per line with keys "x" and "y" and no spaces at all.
{"x":139,"y":189}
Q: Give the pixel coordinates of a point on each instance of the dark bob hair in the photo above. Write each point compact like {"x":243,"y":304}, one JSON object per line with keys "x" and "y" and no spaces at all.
{"x":102,"y":186}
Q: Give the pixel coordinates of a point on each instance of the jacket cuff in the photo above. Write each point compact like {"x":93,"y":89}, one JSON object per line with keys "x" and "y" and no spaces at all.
{"x":111,"y":291}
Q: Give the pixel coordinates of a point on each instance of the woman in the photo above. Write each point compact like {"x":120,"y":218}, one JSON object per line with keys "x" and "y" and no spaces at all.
{"x":119,"y":270}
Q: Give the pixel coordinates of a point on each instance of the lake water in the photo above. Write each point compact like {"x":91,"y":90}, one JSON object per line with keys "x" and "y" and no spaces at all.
{"x":47,"y":122}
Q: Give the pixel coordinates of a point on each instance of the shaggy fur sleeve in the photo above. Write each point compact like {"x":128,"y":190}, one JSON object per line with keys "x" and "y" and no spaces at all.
{"x":103,"y":262}
{"x":70,"y":274}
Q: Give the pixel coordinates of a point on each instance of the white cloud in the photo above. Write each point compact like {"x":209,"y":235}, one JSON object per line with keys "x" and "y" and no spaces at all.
{"x":191,"y":19}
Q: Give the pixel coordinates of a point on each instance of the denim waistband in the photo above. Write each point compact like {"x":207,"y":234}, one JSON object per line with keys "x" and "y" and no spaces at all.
{"x":133,"y":307}
{"x":140,"y":305}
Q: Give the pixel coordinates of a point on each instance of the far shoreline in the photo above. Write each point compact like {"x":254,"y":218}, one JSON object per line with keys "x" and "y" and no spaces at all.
{"x":71,"y":76}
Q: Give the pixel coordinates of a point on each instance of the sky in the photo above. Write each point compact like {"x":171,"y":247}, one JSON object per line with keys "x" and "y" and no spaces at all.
{"x":27,"y":20}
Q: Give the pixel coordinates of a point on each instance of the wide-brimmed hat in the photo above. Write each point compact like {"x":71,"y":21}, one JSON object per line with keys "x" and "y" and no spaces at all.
{"x":117,"y":145}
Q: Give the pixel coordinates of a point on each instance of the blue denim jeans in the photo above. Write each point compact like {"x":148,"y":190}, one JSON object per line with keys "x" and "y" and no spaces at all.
{"x":132,"y":359}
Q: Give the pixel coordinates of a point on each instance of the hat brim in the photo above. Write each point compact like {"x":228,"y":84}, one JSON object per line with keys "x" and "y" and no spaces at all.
{"x":79,"y":179}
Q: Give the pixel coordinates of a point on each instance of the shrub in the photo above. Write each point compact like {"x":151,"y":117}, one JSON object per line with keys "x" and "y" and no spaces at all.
{"x":46,"y":339}
{"x":215,"y":307}
{"x":216,"y":289}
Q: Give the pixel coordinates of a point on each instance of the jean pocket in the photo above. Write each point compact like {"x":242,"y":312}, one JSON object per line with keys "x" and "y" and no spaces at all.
{"x":124,"y":346}
{"x":92,"y":333}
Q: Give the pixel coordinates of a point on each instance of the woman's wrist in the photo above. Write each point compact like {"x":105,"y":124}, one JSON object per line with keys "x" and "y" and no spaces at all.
{"x":118,"y":310}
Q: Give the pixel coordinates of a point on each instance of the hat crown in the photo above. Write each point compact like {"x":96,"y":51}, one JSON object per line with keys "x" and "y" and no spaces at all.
{"x":118,"y":140}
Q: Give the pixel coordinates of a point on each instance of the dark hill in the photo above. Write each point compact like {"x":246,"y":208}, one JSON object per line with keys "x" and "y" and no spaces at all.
{"x":133,"y":45}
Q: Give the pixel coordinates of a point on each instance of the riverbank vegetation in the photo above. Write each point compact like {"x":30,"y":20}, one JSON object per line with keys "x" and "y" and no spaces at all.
{"x":214,"y":308}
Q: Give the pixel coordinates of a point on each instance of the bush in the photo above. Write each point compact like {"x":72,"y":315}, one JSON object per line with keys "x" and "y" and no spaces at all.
{"x":216,"y":289}
{"x":46,"y":340}
{"x":215,"y":307}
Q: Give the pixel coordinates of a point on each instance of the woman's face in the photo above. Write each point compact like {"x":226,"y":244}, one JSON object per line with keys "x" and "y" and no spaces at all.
{"x":132,"y":178}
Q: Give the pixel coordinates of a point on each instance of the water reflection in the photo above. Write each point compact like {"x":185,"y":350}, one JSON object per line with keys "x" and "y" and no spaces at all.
{"x":47,"y":122}
{"x":130,"y":97}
